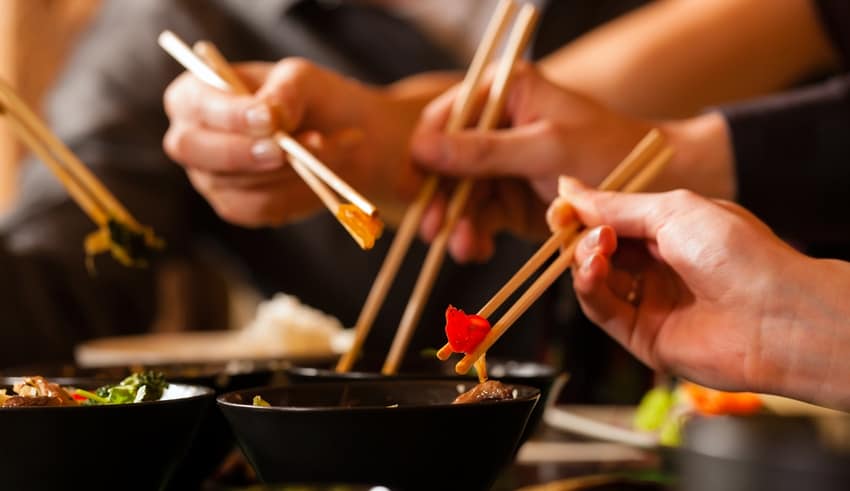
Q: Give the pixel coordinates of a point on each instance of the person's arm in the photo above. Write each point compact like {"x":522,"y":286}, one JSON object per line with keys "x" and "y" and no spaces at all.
{"x":790,"y":160}
{"x":704,"y":290}
{"x":672,"y":58}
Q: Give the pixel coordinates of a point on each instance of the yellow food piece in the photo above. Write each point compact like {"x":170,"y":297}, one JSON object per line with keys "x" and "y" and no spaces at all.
{"x":363,"y":228}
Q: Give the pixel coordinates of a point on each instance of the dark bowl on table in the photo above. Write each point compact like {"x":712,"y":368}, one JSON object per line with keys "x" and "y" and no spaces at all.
{"x":214,"y":439}
{"x":765,"y":453}
{"x":125,"y":446}
{"x":510,"y":372}
{"x":403,"y":433}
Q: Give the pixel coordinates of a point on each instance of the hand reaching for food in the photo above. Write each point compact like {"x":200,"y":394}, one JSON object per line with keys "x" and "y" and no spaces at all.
{"x":225,"y":140}
{"x":553,"y":131}
{"x":703,"y":289}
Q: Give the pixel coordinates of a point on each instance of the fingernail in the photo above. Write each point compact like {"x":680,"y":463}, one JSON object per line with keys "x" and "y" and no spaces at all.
{"x":587,"y":265}
{"x":592,"y":240}
{"x":259,"y":119}
{"x":267,"y":154}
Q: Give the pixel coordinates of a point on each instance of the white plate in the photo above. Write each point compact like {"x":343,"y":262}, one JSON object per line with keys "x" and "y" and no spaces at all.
{"x":186,"y":347}
{"x":608,"y":423}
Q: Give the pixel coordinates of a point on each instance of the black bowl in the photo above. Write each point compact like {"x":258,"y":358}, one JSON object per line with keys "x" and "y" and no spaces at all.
{"x":405,"y":434}
{"x":127,"y":446}
{"x":214,"y":439}
{"x":765,"y":452}
{"x":529,"y":373}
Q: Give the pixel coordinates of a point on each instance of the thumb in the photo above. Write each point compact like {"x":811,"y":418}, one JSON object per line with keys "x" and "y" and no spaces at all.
{"x":637,"y":216}
{"x":530,"y":151}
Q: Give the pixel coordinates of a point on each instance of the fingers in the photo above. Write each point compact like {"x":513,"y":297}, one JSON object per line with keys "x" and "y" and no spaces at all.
{"x":187,"y":99}
{"x":599,"y":302}
{"x":256,"y":201}
{"x":639,"y":216}
{"x":560,"y":214}
{"x":531,"y":151}
{"x":214,"y":151}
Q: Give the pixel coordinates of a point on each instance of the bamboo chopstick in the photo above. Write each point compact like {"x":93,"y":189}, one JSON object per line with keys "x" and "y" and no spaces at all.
{"x":192,"y":62}
{"x":520,"y":34}
{"x":558,"y":267}
{"x":640,"y":157}
{"x":413,"y":216}
{"x":86,"y":189}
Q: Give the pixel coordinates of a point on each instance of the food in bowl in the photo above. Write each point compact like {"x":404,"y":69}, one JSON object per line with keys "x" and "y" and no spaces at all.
{"x":37,"y":391}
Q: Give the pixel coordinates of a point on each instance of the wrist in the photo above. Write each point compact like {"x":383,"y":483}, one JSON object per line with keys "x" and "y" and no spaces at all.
{"x":703,"y":159}
{"x":806,"y":335}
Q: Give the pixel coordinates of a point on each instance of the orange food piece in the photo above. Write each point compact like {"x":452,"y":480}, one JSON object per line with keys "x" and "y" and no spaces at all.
{"x":363,"y":228}
{"x":715,"y":402}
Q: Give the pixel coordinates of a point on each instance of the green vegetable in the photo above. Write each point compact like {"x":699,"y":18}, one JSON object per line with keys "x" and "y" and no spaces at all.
{"x":138,"y":387}
{"x":259,"y":401}
{"x":654,"y":409}
{"x":671,"y":432}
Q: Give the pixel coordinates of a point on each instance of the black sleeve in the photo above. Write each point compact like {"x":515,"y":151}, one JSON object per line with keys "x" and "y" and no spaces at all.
{"x":107,"y":107}
{"x":835,"y":17}
{"x":792,"y":157}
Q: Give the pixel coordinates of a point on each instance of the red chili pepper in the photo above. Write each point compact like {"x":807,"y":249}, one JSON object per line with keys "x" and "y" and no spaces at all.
{"x":465,"y":331}
{"x":79,"y":398}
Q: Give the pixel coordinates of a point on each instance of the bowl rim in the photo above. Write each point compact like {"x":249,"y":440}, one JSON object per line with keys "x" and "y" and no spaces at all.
{"x":544,"y":371}
{"x":203,"y":393}
{"x":221,"y":400}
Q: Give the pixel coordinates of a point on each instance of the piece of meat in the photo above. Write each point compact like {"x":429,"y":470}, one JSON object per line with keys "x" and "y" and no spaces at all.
{"x":491,"y":390}
{"x":24,"y":401}
{"x":38,"y":387}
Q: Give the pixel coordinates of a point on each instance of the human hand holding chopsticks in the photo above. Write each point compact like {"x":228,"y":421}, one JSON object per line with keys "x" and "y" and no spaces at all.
{"x":695,"y":287}
{"x":225,"y":140}
{"x":552,"y":131}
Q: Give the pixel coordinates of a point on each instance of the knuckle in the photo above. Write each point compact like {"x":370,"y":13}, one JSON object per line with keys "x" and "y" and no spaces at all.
{"x":175,"y":143}
{"x":682,"y":197}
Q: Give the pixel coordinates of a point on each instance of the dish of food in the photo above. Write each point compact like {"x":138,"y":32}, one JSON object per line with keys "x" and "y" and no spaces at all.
{"x":283,"y":328}
{"x":37,"y":391}
{"x":398,"y":432}
{"x":134,"y":445}
{"x":662,"y":413}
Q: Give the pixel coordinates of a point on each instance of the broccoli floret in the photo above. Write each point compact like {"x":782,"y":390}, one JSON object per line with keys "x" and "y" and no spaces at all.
{"x":141,"y":386}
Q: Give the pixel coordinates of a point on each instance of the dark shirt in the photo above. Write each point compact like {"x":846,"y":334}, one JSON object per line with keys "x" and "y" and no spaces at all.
{"x":792,"y":153}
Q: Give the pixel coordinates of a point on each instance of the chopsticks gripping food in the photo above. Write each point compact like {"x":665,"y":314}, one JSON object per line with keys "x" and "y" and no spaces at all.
{"x":118,"y":233}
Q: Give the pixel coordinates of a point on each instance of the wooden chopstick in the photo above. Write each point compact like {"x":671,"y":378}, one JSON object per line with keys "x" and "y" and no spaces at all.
{"x":82,"y":185}
{"x":458,"y":120}
{"x":192,"y":62}
{"x":640,"y":157}
{"x":520,"y":34}
{"x":557,"y":268}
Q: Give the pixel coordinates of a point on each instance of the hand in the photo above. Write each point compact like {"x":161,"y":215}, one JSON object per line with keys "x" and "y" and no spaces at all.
{"x":703,"y":289}
{"x":223,"y":140}
{"x":553,"y":131}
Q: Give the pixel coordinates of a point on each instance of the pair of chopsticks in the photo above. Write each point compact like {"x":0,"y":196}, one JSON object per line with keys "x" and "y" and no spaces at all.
{"x":458,"y":120}
{"x":208,"y":64}
{"x":632,"y":175}
{"x":82,"y":185}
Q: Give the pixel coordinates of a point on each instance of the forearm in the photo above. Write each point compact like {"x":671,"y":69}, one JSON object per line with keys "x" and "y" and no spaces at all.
{"x":806,"y":337}
{"x":667,"y":59}
{"x":703,"y":158}
{"x":392,"y":121}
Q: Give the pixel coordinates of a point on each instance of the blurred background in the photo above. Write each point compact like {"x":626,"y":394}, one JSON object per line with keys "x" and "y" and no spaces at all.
{"x":47,"y":28}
